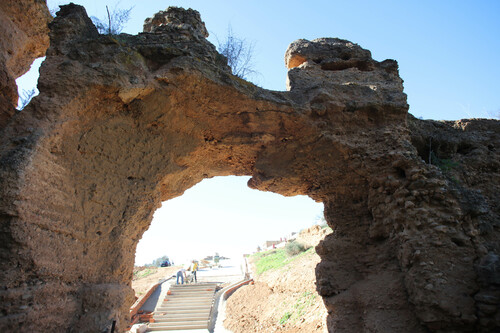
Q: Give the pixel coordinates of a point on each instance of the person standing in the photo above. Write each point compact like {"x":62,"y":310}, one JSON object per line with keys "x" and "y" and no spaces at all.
{"x":194,"y":269}
{"x":216,"y":259}
{"x":182,"y":274}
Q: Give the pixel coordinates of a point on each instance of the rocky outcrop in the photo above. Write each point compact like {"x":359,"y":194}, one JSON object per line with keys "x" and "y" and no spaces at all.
{"x":310,"y":237}
{"x":466,"y":154}
{"x":124,"y":122}
{"x":23,"y":37}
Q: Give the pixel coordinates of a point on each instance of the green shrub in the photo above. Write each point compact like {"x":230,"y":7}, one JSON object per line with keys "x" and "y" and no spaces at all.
{"x":445,"y":164}
{"x":285,"y":317}
{"x":294,"y":248}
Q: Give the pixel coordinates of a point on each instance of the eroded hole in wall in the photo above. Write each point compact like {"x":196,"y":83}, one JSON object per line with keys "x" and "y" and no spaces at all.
{"x":27,"y":84}
{"x":401,"y":172}
{"x":222,"y":216}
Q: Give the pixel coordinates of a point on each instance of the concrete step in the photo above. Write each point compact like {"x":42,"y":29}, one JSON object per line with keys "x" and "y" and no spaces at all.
{"x":180,"y":306}
{"x":197,"y":284}
{"x":177,"y":316}
{"x":173,"y":313}
{"x":179,"y":287}
{"x":189,"y":296}
{"x":181,"y":303}
{"x":172,"y":298}
{"x":170,"y":311}
{"x":193,"y":290}
{"x":194,"y":285}
{"x":177,"y":326}
{"x":194,"y":317}
{"x":178,"y":309}
{"x":181,"y":317}
{"x":187,"y":308}
{"x":183,"y":308}
{"x":183,"y":289}
{"x":180,"y":321}
{"x":194,"y":330}
{"x":193,"y":296}
{"x":187,"y":301}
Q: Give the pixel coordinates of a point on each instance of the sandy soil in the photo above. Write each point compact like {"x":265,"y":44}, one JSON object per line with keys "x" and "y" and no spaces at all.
{"x":141,"y":285}
{"x":283,"y":300}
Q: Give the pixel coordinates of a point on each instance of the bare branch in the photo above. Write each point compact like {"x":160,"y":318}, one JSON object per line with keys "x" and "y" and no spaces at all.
{"x":109,"y":21}
{"x":239,"y":54}
{"x":117,"y":19}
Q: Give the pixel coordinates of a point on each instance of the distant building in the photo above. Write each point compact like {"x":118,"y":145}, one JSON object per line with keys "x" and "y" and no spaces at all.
{"x":269,"y":244}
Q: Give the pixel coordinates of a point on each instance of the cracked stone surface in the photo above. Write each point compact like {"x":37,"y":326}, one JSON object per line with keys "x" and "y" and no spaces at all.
{"x":123,"y":123}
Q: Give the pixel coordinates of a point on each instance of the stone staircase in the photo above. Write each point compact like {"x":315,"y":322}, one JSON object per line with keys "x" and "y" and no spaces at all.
{"x":187,"y":307}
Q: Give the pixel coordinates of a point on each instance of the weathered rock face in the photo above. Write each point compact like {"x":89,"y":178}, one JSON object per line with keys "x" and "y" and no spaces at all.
{"x":466,"y":153}
{"x":311,"y":236}
{"x":176,"y":20}
{"x":23,"y":37}
{"x":124,"y":122}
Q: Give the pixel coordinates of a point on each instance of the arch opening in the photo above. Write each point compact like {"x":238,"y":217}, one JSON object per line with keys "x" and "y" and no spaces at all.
{"x":222,"y":215}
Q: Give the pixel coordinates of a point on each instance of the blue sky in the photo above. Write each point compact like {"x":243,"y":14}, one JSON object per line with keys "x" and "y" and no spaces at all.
{"x":447,"y":52}
{"x":223,"y":215}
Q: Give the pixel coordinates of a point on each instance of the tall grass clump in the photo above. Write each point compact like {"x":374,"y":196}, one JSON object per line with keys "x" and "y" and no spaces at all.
{"x":294,"y":248}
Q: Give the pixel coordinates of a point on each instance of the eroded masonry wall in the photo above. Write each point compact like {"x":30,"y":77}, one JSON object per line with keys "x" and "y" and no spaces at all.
{"x":124,"y":122}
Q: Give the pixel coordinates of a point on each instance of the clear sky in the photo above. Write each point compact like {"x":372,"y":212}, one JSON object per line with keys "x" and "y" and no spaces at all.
{"x":447,"y":51}
{"x":223,"y":215}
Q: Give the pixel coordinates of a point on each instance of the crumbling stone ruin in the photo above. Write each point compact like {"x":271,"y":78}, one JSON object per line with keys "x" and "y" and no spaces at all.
{"x":123,"y":123}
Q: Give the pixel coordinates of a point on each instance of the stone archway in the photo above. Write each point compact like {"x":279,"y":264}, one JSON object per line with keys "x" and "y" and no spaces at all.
{"x":125,"y":122}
